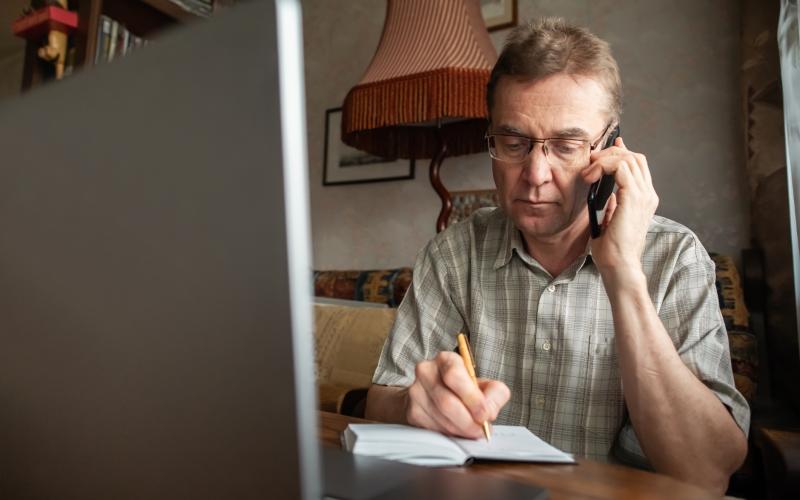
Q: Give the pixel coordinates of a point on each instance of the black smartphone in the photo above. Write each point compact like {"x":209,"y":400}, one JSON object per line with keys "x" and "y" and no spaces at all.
{"x":599,"y":192}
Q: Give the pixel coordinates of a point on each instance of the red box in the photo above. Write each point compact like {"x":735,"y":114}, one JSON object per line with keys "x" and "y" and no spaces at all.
{"x":37,"y":24}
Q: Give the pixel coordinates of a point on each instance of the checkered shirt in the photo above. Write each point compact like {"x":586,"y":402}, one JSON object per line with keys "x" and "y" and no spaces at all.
{"x":551,"y":340}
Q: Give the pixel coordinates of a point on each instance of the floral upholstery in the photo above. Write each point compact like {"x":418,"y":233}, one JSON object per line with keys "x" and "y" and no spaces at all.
{"x":467,"y":202}
{"x":744,"y":348}
{"x":386,"y":286}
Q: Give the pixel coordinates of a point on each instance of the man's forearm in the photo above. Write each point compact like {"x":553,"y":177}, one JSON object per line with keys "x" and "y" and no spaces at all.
{"x":683,"y":428}
{"x":387,"y":403}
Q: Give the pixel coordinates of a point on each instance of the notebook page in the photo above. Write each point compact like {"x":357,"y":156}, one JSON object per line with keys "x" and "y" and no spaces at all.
{"x":513,"y":443}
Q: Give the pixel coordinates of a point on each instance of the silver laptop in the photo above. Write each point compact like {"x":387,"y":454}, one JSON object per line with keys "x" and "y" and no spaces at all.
{"x":155,"y":280}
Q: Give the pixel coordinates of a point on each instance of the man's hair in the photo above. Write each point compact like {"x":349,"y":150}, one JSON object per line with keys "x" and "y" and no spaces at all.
{"x":548,"y":46}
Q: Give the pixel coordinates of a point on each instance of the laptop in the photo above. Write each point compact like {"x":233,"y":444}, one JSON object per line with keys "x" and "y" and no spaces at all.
{"x":155,"y":275}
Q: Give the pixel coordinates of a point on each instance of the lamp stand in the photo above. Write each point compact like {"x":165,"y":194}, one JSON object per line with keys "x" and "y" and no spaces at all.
{"x":444,"y":194}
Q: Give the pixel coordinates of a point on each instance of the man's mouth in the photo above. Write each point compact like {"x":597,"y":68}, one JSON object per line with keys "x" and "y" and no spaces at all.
{"x":536,"y":203}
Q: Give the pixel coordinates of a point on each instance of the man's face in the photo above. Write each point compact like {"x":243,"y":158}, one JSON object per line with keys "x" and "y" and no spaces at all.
{"x":545,"y":200}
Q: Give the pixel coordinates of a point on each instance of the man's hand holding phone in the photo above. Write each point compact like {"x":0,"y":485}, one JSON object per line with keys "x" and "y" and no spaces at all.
{"x":444,"y":398}
{"x":629,"y":210}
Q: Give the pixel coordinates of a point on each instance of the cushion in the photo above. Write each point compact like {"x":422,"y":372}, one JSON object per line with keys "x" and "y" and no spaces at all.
{"x":348,"y":342}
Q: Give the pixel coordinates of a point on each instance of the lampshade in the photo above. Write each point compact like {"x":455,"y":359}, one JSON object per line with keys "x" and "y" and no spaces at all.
{"x":426,"y":85}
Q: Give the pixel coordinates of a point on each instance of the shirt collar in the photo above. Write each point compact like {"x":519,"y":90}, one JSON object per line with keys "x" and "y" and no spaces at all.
{"x":512,"y":241}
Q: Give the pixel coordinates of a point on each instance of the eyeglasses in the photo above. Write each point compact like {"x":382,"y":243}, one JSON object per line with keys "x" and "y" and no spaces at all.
{"x":562,"y":153}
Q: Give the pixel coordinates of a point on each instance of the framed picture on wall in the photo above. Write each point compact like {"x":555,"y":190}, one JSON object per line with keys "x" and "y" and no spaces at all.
{"x":499,"y":14}
{"x":346,"y":165}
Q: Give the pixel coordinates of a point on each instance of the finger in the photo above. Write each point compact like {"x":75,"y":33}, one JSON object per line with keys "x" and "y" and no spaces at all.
{"x":421,"y":412}
{"x":602,"y":153}
{"x":641,"y":160}
{"x":441,"y":404}
{"x":600,"y":166}
{"x":447,"y":407}
{"x":611,"y":207}
{"x":455,"y":376}
{"x":624,"y":176}
{"x":610,"y":165}
{"x":497,"y":395}
{"x":636,"y":171}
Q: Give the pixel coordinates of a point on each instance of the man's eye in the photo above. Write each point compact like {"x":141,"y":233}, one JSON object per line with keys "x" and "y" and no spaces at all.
{"x":512,"y":144}
{"x":564,"y":147}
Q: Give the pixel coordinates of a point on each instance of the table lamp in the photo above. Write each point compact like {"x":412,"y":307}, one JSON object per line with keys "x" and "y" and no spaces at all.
{"x":424,"y":93}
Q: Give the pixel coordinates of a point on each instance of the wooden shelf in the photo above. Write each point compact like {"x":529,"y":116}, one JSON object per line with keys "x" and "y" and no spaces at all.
{"x":171,"y":9}
{"x":143,"y":18}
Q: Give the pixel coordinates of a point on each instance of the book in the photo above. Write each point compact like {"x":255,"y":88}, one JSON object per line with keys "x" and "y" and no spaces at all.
{"x":112,"y":41}
{"x":417,"y":446}
{"x":103,"y":36}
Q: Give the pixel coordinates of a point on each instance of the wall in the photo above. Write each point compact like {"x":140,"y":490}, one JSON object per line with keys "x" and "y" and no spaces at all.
{"x":680,"y":69}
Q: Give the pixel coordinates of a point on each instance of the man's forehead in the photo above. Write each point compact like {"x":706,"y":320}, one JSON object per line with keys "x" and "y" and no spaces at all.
{"x":562,"y":104}
{"x":554,"y":85}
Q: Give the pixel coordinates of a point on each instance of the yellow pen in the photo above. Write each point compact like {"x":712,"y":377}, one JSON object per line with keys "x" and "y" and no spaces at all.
{"x":466,"y":356}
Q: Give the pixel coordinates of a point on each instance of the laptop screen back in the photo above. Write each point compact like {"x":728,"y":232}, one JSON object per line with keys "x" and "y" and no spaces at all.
{"x":155,"y":317}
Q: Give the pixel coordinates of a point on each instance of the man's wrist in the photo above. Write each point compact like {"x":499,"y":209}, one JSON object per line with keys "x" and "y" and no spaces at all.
{"x":624,"y":278}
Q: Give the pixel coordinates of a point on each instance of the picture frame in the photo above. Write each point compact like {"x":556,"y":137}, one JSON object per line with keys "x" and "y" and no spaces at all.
{"x":499,"y":14}
{"x":343,"y":164}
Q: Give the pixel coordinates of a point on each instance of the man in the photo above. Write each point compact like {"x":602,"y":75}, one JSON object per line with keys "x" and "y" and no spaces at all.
{"x":611,"y":348}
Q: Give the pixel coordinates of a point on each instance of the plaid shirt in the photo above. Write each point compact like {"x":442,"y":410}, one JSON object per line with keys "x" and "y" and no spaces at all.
{"x":551,"y":340}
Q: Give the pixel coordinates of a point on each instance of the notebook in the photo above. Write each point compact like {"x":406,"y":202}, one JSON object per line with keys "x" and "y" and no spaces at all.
{"x":417,"y":446}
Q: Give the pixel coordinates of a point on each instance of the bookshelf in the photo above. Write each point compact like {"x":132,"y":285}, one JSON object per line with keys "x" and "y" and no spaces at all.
{"x":143,"y":18}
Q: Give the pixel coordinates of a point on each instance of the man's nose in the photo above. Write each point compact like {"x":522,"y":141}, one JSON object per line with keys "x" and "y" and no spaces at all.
{"x":538,"y":170}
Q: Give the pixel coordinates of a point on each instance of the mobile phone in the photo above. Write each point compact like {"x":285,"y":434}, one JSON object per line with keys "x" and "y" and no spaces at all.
{"x":599,"y":192}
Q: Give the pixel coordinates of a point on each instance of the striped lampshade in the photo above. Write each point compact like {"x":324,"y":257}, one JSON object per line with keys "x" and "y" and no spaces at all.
{"x":426,"y":84}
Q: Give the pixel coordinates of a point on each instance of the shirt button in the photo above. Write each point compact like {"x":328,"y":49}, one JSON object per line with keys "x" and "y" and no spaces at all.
{"x":539,"y":400}
{"x":546,"y":345}
{"x":551,"y":288}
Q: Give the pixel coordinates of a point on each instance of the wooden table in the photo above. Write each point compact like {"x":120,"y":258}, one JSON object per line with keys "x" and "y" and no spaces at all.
{"x":587,"y":479}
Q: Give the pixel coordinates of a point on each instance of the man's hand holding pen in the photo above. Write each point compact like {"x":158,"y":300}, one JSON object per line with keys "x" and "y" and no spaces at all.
{"x":444,"y":398}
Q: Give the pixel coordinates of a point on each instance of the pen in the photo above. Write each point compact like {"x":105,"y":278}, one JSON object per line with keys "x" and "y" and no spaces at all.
{"x":466,"y":356}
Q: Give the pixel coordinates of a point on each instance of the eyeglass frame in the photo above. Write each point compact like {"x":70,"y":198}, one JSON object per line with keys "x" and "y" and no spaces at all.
{"x":533,"y":140}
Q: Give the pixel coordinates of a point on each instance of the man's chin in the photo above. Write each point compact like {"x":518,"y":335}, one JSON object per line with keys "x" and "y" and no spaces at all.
{"x":537,"y":225}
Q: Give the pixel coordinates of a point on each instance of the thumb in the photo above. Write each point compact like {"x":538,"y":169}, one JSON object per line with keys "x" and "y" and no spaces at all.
{"x":497,"y":395}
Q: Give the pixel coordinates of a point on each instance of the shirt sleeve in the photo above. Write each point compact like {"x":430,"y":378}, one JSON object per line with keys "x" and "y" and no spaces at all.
{"x":427,"y":321}
{"x":691,"y":315}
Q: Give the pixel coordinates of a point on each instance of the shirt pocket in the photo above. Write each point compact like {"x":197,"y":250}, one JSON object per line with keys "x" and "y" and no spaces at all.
{"x":604,"y":402}
{"x":602,"y":344}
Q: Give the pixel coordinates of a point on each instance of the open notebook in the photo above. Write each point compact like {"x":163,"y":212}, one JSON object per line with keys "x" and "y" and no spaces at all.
{"x":423,"y":447}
